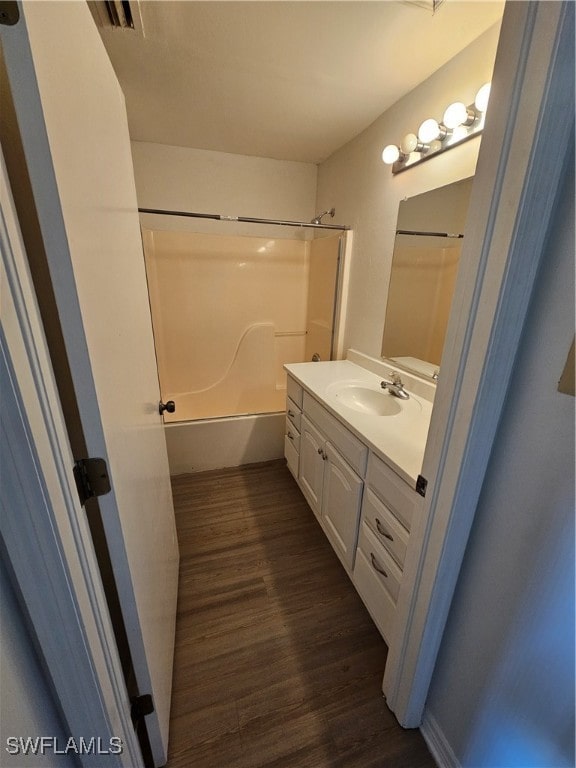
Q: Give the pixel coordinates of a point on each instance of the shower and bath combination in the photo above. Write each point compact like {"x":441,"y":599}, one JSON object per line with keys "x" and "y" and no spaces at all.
{"x":241,"y":306}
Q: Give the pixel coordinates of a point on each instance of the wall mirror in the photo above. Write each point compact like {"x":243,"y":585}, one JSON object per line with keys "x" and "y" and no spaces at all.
{"x":429,"y":237}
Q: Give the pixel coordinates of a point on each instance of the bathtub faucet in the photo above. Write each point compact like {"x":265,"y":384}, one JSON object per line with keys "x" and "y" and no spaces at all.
{"x":395,"y":387}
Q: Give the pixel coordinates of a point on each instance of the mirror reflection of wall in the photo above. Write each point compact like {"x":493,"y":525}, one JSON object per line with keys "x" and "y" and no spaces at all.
{"x":424,"y":268}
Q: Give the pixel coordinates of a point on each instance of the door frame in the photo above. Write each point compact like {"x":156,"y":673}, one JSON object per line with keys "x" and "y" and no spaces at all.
{"x":49,"y":546}
{"x":518,"y":172}
{"x":522,"y":158}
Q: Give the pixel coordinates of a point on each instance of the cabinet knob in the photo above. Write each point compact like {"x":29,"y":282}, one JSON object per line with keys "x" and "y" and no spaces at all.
{"x":170,"y":406}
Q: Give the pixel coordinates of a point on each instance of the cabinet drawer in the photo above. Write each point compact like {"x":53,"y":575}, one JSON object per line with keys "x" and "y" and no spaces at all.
{"x":292,"y":457}
{"x":382,"y":565}
{"x":292,"y":435}
{"x":355,"y":452}
{"x":294,"y":391}
{"x":294,"y":413}
{"x":385,"y":526}
{"x":394,"y":492}
{"x":374,"y":596}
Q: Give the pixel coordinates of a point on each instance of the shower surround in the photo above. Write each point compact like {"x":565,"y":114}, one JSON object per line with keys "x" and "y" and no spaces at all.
{"x":228,"y":312}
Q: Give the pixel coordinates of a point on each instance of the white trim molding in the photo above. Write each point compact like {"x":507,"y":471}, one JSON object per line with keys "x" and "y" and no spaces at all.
{"x":44,"y":532}
{"x":437,"y":742}
{"x":528,"y":134}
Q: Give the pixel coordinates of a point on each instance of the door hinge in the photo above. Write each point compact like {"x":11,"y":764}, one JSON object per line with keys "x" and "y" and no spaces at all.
{"x":141,"y":706}
{"x":92,"y":479}
{"x":421,"y":485}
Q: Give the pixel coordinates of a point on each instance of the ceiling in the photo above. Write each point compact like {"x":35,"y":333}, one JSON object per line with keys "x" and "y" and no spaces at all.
{"x":286,"y":80}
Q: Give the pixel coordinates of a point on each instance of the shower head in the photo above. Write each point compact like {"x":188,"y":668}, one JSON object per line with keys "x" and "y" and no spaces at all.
{"x":318,"y":219}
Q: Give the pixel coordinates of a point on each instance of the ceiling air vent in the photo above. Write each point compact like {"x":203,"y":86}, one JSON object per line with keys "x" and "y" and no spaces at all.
{"x":120,"y":14}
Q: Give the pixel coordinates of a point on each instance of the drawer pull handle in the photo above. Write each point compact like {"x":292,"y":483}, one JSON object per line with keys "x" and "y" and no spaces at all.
{"x":290,"y":435}
{"x":382,"y":531}
{"x":323,"y":453}
{"x":291,"y":414}
{"x":376,"y":566}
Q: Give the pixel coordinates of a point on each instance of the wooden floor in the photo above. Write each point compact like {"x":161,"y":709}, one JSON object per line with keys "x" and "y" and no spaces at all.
{"x":277,"y":661}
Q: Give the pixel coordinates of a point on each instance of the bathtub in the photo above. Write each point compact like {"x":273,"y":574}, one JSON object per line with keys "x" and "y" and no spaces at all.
{"x":202,"y":444}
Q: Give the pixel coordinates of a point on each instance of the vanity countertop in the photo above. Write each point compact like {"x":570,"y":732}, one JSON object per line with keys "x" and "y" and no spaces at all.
{"x":398,"y":439}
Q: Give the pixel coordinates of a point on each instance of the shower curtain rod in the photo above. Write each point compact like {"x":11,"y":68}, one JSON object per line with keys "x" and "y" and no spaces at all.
{"x":427,"y":234}
{"x":243,"y":219}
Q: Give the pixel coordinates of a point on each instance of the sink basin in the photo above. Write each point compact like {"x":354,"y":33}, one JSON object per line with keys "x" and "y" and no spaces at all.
{"x":366,"y":400}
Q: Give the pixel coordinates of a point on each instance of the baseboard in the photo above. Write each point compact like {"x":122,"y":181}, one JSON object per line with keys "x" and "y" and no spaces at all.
{"x":437,"y":744}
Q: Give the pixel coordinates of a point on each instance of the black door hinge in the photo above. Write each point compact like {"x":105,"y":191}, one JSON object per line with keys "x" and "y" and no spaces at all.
{"x":421,"y":485}
{"x":92,"y":479}
{"x":141,"y":706}
{"x":9,"y":13}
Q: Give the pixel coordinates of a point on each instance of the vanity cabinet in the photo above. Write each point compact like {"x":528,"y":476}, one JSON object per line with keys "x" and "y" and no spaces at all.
{"x":330,"y":456}
{"x":311,"y":473}
{"x":387,"y":510}
{"x":292,"y":432}
{"x":341,"y":500}
{"x":364,"y":507}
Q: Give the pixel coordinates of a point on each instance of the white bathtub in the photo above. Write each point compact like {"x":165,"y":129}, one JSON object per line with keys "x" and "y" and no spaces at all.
{"x":196,"y":446}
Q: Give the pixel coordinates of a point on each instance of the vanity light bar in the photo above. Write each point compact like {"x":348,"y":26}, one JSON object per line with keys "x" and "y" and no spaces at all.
{"x":459,"y":123}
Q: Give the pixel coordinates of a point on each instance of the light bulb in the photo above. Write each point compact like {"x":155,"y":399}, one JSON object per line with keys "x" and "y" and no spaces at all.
{"x":431,"y":130}
{"x":410,"y":143}
{"x":458,"y":114}
{"x":390,"y":154}
{"x":481,"y":100}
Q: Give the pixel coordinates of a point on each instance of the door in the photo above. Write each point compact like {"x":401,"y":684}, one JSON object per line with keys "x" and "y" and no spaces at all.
{"x":311,"y":464}
{"x":72,"y":120}
{"x":341,"y":500}
{"x":45,"y":536}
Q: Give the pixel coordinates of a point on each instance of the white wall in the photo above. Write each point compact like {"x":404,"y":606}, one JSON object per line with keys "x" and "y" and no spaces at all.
{"x":502,"y":694}
{"x":203,"y":181}
{"x":366,"y":195}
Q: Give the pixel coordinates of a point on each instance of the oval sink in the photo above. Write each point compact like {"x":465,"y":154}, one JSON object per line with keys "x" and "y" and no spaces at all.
{"x":367,"y":400}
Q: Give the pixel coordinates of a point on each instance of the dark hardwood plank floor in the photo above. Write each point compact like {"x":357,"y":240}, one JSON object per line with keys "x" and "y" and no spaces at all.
{"x":277,"y":661}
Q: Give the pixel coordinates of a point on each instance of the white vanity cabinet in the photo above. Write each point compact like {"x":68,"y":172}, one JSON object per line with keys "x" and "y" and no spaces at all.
{"x":363,"y":506}
{"x":341,"y":500}
{"x":330,"y":459}
{"x":311,"y":473}
{"x":387,"y":511}
{"x":292,"y":432}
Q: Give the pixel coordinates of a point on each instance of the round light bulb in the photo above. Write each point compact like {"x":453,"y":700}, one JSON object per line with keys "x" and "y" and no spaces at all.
{"x":456,"y":114}
{"x":429,"y":130}
{"x":410,"y":143}
{"x":481,"y":100}
{"x":390,"y":154}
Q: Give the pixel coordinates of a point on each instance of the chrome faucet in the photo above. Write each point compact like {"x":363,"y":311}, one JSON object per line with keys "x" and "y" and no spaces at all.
{"x":395,"y":387}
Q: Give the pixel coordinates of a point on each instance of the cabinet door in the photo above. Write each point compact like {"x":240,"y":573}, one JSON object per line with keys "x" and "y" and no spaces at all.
{"x":311,"y":470}
{"x":341,"y":501}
